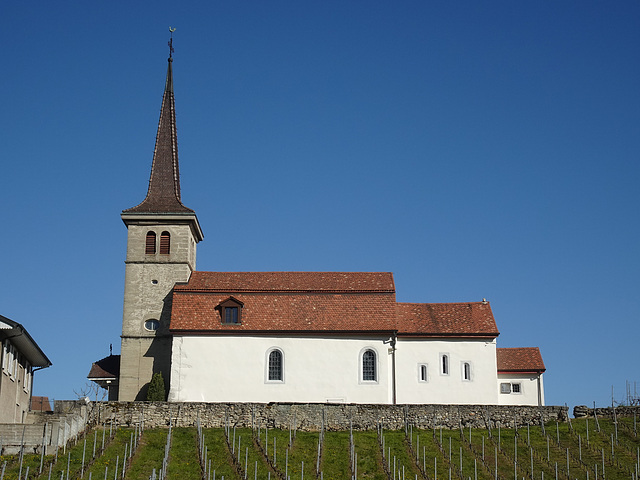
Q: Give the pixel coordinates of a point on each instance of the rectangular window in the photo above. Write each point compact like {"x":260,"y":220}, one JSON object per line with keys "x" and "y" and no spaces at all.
{"x":15,"y":363}
{"x":231,"y":315}
{"x":26,"y":385}
{"x":505,"y":388}
{"x":5,"y":357}
{"x":516,"y":388}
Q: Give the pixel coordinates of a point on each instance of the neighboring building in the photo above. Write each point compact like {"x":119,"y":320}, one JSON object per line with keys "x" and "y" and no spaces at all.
{"x":21,"y":357}
{"x":105,"y":373}
{"x":287,"y":336}
{"x":40,"y":404}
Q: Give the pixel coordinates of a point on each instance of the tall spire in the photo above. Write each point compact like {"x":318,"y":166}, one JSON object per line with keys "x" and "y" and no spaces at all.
{"x":163,"y":195}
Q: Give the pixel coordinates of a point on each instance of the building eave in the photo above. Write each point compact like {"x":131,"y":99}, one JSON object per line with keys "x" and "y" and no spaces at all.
{"x":146,"y":218}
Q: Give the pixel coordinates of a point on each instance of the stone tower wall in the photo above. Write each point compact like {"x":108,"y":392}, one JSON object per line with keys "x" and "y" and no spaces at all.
{"x":149,"y":280}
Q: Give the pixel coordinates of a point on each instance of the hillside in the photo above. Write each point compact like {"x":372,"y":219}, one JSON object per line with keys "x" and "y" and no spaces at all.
{"x":581,"y":449}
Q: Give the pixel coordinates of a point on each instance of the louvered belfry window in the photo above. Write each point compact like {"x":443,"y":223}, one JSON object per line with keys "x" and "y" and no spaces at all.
{"x":165,"y":243}
{"x":150,"y":246}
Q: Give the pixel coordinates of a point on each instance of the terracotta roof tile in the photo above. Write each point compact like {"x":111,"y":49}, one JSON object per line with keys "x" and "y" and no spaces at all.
{"x":340,"y":282}
{"x":40,"y":404}
{"x":319,"y":301}
{"x":287,"y":301}
{"x":446,"y":319}
{"x":524,"y":359}
{"x":286,"y":312}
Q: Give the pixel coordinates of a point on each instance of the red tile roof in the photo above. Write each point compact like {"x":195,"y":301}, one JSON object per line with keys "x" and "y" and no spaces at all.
{"x":446,"y":319}
{"x":525,"y":359}
{"x":287,"y":301}
{"x":319,"y":302}
{"x":40,"y":404}
{"x":339,"y":282}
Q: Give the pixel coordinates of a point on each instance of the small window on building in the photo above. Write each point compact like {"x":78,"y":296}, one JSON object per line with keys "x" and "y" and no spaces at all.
{"x":231,"y":315}
{"x":150,"y":245}
{"x":466,"y":371}
{"x":5,"y":356}
{"x":26,"y":382}
{"x":423,"y":373}
{"x":16,"y":362}
{"x":505,"y":388}
{"x":444,"y":364}
{"x":516,"y":388}
{"x":165,"y":243}
{"x":275,"y":367}
{"x":152,"y":325}
{"x":230,"y":311}
{"x":369,"y":373}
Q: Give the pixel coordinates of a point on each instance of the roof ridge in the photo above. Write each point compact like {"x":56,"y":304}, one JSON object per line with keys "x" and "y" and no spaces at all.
{"x":290,"y":271}
{"x":444,"y":303}
{"x":281,"y":290}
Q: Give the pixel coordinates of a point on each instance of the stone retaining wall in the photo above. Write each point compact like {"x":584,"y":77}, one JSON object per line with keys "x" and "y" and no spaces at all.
{"x":580,"y":411}
{"x":311,"y":416}
{"x":48,"y":430}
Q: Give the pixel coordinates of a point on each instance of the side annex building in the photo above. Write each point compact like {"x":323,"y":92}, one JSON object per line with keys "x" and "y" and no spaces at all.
{"x":292,"y":336}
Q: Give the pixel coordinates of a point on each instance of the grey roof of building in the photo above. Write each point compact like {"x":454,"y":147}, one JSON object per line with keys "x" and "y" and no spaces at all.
{"x":24,"y":342}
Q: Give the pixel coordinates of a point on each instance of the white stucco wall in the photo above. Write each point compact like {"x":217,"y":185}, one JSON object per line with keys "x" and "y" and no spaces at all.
{"x":528,"y":389}
{"x":451,"y":388}
{"x":234,"y":369}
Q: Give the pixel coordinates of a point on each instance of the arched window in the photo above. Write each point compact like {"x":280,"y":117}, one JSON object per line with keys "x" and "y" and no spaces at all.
{"x":369,"y":373}
{"x":275,"y":369}
{"x":165,"y":243}
{"x":466,"y":371}
{"x":423,"y":373}
{"x":444,"y":364}
{"x":150,"y":245}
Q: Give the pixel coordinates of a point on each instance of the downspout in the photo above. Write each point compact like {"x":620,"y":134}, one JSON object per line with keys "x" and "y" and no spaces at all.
{"x":394,"y":337}
{"x":539,"y":390}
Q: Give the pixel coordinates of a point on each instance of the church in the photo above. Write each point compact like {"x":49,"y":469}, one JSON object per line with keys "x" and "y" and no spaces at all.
{"x":292,"y":336}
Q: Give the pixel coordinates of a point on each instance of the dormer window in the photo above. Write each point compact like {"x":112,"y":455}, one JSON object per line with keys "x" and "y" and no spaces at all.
{"x":230,"y":311}
{"x":231,"y":315}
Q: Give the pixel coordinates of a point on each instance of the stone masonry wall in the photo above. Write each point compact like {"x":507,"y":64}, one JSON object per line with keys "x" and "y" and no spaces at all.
{"x":311,"y":416}
{"x":580,"y":411}
{"x":55,"y":429}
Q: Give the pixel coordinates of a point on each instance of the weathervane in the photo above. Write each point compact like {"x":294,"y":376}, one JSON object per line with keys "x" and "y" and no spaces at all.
{"x":171,"y":30}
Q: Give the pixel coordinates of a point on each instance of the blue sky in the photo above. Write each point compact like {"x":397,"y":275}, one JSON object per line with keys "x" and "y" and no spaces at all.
{"x":475,"y":149}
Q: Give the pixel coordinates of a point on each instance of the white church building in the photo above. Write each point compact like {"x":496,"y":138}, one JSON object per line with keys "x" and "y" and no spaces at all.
{"x":293,"y":336}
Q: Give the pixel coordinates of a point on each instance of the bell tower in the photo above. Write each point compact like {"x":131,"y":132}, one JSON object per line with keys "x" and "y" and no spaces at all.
{"x":161,"y":250}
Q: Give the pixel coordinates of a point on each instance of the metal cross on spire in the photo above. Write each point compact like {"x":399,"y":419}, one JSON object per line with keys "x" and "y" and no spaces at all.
{"x":171,"y":30}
